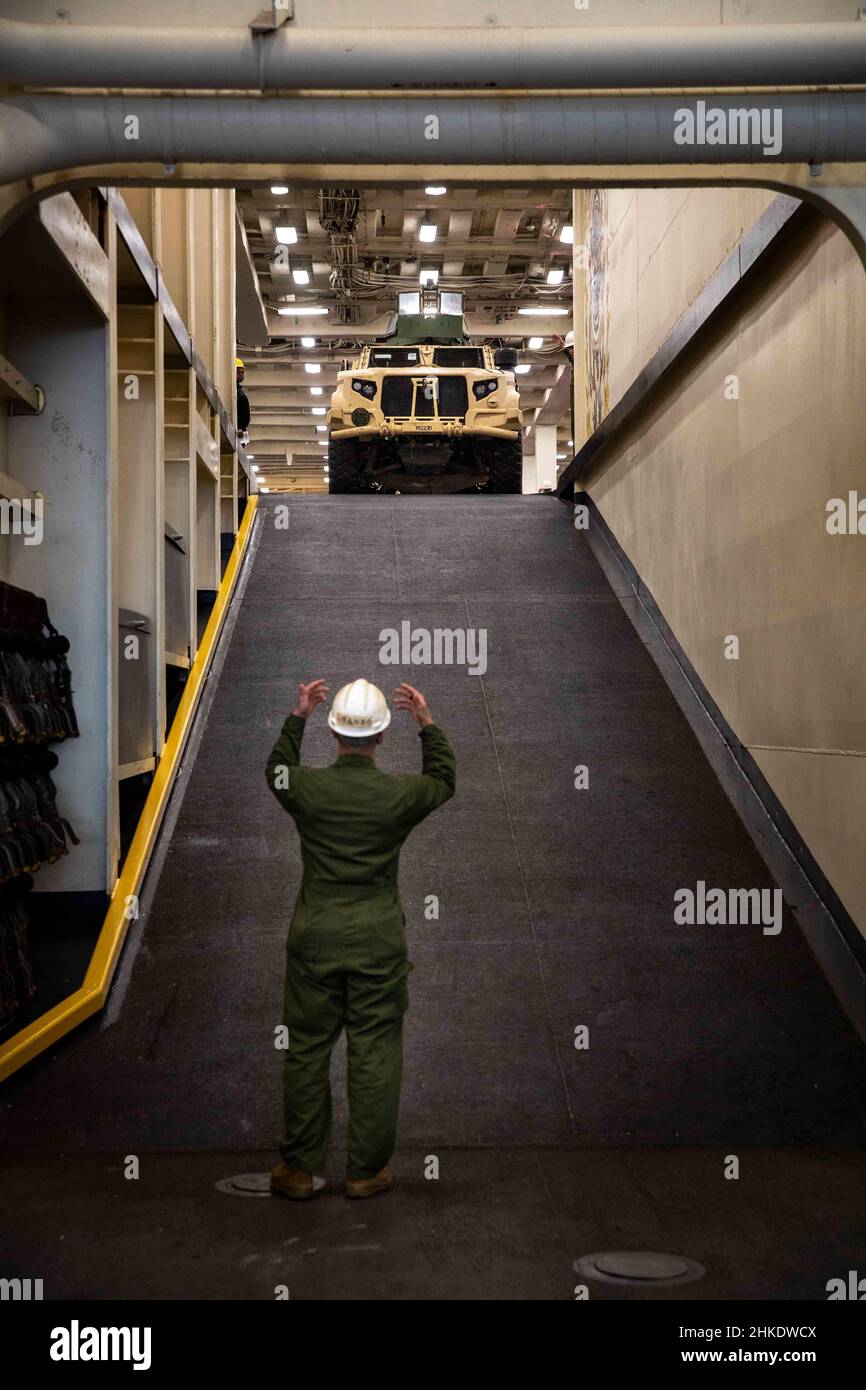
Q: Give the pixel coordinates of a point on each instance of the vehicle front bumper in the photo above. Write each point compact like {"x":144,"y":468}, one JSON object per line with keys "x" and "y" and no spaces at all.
{"x":397,"y":429}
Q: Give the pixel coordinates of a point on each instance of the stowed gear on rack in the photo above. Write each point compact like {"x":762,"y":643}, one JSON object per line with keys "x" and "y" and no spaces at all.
{"x":32,"y":832}
{"x":35,"y":709}
{"x":35,"y":695}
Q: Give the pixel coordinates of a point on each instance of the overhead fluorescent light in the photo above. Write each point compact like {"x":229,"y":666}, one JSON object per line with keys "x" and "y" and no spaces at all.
{"x":286,"y":236}
{"x":319,"y":410}
{"x":323,"y":443}
{"x":308,"y":342}
{"x":279,"y":189}
{"x":436,"y":190}
{"x":255,"y":468}
{"x":543,"y":311}
{"x":315,"y":391}
{"x":302,"y":277}
{"x":313,"y":367}
{"x":562,"y":456}
{"x":321,"y":427}
{"x":524,"y":368}
{"x":264,"y":489}
{"x":567,"y":234}
{"x":302,"y":310}
{"x":429,"y":276}
{"x":555,"y":276}
{"x":535,"y":344}
{"x":427,"y":231}
{"x":249,"y":457}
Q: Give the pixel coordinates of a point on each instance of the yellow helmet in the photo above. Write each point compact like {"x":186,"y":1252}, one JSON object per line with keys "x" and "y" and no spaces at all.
{"x":239,"y":363}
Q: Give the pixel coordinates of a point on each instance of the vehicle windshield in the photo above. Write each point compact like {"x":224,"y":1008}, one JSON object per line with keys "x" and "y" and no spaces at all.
{"x":459,"y":357}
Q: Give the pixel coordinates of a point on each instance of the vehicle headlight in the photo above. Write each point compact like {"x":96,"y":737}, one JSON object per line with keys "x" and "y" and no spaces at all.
{"x":365,"y":388}
{"x":360,"y":417}
{"x":480,"y":389}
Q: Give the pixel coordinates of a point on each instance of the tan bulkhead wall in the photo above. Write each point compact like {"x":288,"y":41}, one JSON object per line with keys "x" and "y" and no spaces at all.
{"x":721,"y":502}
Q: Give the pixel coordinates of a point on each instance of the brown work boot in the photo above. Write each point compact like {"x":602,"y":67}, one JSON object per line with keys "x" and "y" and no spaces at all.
{"x":292,"y":1182}
{"x":368,"y":1187}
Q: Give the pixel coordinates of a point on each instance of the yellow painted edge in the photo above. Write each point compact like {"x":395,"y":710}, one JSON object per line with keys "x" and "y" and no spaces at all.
{"x":23,"y":1046}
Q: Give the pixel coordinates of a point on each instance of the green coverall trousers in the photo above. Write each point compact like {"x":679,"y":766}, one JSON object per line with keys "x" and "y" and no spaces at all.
{"x":348,"y":976}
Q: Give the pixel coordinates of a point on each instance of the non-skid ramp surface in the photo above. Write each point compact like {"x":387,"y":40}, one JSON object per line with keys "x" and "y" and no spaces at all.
{"x":555,"y":904}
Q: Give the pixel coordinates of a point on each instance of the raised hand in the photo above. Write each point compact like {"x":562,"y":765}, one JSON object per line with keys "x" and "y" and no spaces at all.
{"x":408,"y":698}
{"x":309,"y":696}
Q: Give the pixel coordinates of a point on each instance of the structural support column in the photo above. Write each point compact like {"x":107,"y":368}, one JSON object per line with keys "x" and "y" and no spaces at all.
{"x":545,"y":457}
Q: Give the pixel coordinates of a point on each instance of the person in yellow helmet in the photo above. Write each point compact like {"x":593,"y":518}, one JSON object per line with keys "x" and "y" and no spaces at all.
{"x":346,"y":962}
{"x":243,"y":398}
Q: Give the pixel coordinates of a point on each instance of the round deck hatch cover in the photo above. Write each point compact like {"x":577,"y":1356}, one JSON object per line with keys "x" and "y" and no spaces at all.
{"x":252,"y":1182}
{"x":641,"y":1264}
{"x":639,"y":1267}
{"x":255,"y":1185}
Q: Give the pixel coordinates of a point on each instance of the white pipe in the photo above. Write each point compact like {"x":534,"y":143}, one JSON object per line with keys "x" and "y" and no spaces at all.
{"x":290,"y":58}
{"x":44,"y":134}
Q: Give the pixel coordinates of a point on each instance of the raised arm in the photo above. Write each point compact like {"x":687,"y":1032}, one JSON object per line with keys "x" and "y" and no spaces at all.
{"x":438,"y":780}
{"x":286,"y":752}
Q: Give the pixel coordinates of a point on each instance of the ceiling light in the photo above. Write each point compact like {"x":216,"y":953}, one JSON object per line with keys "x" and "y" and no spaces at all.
{"x":286,"y":236}
{"x":542,"y":311}
{"x":298,"y":310}
{"x":571,"y":443}
{"x":323,"y":443}
{"x":302,"y":277}
{"x":315,"y":390}
{"x":427,"y":231}
{"x":429,"y":277}
{"x":308,"y":342}
{"x":555,"y":277}
{"x":524,"y":368}
{"x":312,"y":367}
{"x":535,"y":344}
{"x":567,"y":234}
{"x":264,"y":489}
{"x":436,"y":190}
{"x":320,"y":428}
{"x":279,"y":189}
{"x":249,"y":457}
{"x":255,"y":468}
{"x":319,"y":410}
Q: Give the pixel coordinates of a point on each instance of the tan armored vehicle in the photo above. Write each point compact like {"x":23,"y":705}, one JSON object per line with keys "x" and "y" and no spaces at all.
{"x":424,"y":410}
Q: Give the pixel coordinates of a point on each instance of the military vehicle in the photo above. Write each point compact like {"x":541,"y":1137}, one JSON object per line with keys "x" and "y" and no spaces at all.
{"x":425,"y":410}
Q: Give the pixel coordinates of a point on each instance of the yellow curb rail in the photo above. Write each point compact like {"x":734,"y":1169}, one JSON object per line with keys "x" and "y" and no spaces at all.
{"x":90,"y":997}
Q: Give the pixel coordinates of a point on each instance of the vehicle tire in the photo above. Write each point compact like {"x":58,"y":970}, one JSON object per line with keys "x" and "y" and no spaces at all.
{"x":506,"y":466}
{"x":344,"y":466}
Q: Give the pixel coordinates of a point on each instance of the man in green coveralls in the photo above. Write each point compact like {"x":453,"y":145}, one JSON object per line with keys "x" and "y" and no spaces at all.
{"x":346,"y":963}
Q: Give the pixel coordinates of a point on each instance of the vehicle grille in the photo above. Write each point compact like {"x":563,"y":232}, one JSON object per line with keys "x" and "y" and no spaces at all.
{"x":452,"y":395}
{"x":397,"y":394}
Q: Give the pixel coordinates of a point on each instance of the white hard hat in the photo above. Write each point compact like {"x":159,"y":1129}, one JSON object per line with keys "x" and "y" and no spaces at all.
{"x":359,"y":709}
{"x":546,"y":483}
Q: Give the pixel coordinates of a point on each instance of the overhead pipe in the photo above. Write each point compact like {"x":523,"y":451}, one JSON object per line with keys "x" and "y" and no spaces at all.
{"x":290,"y":58}
{"x":45,"y":134}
